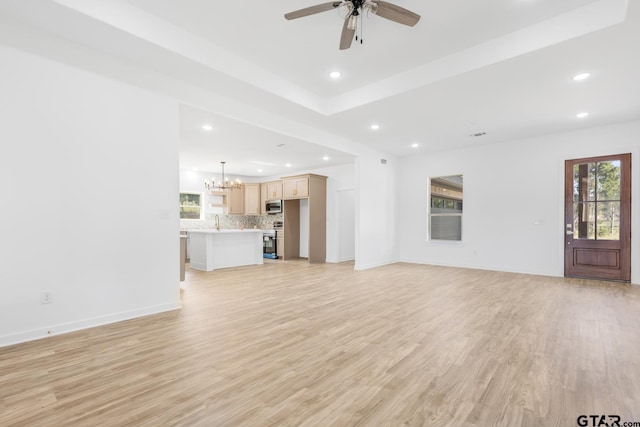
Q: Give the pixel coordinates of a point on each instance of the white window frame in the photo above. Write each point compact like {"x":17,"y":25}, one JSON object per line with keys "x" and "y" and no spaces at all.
{"x":194,"y":193}
{"x":430,"y":214}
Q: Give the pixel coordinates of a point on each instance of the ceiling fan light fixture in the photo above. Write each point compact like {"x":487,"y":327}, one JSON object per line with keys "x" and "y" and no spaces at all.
{"x":346,"y":8}
{"x":371,"y":7}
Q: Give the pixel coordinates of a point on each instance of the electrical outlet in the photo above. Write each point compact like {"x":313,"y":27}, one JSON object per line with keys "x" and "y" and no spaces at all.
{"x":46,"y":297}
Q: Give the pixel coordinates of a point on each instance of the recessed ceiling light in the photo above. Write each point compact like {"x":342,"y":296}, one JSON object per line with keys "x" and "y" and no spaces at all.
{"x":335,"y":74}
{"x":375,"y":127}
{"x":259,"y":170}
{"x":325,"y":158}
{"x":195,"y":169}
{"x":582,"y":115}
{"x":207,"y":127}
{"x":415,"y":145}
{"x":288,"y":165}
{"x":581,"y":76}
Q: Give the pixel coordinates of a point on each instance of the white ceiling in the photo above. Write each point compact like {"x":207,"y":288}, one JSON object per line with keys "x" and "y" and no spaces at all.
{"x":503,"y":67}
{"x":247,"y":150}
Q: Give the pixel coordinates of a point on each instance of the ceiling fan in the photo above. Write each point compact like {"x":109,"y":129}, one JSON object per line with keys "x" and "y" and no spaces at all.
{"x":354,"y":10}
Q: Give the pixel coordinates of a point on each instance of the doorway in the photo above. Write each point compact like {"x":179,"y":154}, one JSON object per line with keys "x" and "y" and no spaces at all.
{"x":598,"y":218}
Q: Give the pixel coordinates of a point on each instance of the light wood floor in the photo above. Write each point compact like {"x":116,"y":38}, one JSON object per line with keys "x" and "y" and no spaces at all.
{"x":292,"y":344}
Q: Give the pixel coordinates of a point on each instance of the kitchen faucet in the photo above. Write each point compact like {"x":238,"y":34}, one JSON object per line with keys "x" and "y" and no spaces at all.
{"x":217,"y":223}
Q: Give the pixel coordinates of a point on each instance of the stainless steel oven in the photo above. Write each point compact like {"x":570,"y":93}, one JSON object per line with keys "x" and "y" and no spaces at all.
{"x":269,"y":244}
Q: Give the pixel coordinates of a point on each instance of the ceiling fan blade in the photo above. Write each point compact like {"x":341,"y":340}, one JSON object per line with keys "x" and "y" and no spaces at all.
{"x":312,"y":10}
{"x":346,"y":38}
{"x":396,"y":13}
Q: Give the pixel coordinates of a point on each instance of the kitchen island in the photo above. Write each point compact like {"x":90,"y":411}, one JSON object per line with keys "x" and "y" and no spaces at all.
{"x":212,"y":249}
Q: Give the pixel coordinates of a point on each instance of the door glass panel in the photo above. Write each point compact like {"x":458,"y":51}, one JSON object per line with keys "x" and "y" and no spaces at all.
{"x":584,"y":182}
{"x":584,"y":221}
{"x":608,"y":184}
{"x":608,"y":220}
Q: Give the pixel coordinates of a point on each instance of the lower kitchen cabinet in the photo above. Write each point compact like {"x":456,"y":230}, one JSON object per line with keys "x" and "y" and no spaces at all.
{"x":280,"y":247}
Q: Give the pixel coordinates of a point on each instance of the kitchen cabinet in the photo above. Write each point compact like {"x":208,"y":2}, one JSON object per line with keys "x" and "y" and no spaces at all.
{"x":295,"y":187}
{"x":269,"y":191}
{"x":280,"y":244}
{"x":273,"y":190}
{"x":235,"y":200}
{"x":305,"y":212}
{"x":251,"y":199}
{"x":263,"y":197}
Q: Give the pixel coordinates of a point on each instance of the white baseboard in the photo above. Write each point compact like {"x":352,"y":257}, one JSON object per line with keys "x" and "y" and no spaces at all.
{"x":480,"y":267}
{"x":339,"y":260}
{"x":65,"y":328}
{"x":374,"y":265}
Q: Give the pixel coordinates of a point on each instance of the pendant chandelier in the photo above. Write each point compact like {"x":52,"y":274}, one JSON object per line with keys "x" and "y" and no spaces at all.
{"x":223,"y":184}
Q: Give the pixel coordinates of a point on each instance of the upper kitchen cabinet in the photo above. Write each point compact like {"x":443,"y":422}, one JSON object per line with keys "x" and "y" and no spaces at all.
{"x":269,"y":191}
{"x":263,"y":198}
{"x":273,"y":190}
{"x":235,"y":200}
{"x":296,"y":187}
{"x":252,"y":199}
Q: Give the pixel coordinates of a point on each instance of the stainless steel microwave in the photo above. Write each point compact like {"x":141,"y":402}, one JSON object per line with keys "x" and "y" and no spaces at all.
{"x":273,"y":206}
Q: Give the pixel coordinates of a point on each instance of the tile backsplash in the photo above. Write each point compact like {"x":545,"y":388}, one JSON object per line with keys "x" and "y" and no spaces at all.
{"x":231,"y":221}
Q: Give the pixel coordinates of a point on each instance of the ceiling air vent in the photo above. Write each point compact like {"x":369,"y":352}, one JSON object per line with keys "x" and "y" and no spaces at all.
{"x":479,"y":134}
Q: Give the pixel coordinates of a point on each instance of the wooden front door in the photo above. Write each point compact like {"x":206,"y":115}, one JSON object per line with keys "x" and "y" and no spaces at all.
{"x":598,"y":218}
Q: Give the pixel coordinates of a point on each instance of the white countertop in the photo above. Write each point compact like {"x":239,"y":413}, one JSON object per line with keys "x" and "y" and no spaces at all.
{"x":227,"y":230}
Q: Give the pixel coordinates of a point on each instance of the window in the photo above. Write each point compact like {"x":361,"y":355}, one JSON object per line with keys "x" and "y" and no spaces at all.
{"x":190,"y":206}
{"x":445,"y":208}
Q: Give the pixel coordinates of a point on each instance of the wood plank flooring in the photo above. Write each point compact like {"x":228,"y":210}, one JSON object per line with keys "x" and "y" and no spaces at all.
{"x":293,"y":344}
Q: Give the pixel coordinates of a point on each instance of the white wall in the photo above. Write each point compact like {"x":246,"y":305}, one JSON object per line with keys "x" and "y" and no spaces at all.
{"x":346,"y":219}
{"x":377,"y":205}
{"x":103,"y":236}
{"x":513,"y":200}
